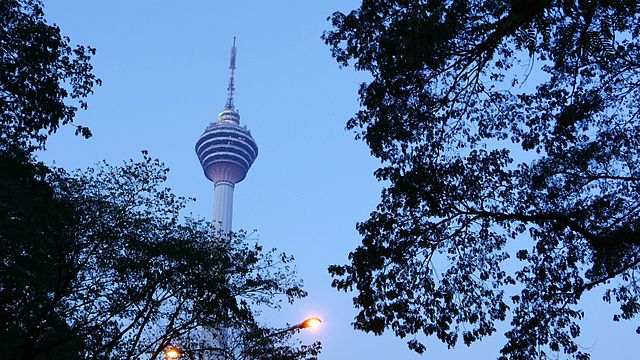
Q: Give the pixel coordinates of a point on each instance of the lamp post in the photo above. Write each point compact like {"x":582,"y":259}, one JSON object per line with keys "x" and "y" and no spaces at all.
{"x":308,"y":323}
{"x":174,"y":353}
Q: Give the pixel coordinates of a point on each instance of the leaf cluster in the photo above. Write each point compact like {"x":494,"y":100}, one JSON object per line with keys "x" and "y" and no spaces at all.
{"x":43,"y":79}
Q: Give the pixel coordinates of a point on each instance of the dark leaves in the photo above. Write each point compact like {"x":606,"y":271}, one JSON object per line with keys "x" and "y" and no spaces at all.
{"x":496,"y":121}
{"x":102,"y":260}
{"x":40,"y":73}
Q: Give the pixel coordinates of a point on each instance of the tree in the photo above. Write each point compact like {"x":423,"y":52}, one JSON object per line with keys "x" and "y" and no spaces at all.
{"x":33,"y":237}
{"x":41,"y":76}
{"x":509,"y":137}
{"x":120,"y":274}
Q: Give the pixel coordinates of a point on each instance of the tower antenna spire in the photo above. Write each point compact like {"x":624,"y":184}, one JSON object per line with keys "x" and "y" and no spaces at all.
{"x":232,"y":67}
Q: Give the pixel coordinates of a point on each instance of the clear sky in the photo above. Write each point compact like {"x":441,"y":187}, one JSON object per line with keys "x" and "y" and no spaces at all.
{"x":164,"y":66}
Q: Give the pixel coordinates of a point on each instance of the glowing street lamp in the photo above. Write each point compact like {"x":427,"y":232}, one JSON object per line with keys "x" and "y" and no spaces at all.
{"x":310,"y":323}
{"x":172,"y":353}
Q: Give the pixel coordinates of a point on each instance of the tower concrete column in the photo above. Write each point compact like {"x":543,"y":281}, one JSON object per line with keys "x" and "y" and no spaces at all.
{"x":223,"y":205}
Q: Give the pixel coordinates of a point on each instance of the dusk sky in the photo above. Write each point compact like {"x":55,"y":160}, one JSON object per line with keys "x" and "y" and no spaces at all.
{"x":164,"y":67}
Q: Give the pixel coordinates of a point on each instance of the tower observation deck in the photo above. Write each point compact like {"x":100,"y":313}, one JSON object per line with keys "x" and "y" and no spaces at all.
{"x":226,"y":151}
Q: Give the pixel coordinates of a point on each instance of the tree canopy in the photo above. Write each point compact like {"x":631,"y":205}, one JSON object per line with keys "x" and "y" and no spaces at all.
{"x":101,"y":265}
{"x":43,"y":79}
{"x":509,"y":136}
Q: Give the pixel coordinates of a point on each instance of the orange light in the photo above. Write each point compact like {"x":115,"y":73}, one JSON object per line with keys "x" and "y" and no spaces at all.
{"x":311,"y":322}
{"x":172,"y":353}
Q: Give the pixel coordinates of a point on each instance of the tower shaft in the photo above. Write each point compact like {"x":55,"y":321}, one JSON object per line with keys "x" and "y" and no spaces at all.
{"x":223,"y":205}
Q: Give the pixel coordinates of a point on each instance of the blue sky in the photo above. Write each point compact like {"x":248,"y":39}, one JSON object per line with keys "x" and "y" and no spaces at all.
{"x":164,"y":66}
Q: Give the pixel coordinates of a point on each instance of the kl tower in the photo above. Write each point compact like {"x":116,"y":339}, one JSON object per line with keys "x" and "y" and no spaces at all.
{"x":226,"y":151}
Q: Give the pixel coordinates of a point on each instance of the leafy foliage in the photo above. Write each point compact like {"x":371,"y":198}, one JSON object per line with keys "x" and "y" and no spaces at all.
{"x":33,"y":234}
{"x":510,"y":137}
{"x":104,"y":255}
{"x":40,"y":73}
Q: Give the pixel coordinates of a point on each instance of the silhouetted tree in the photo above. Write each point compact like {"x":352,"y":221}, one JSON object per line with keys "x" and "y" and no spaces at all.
{"x":34,"y":241}
{"x":100,"y":264}
{"x":41,"y":76}
{"x":509,"y":136}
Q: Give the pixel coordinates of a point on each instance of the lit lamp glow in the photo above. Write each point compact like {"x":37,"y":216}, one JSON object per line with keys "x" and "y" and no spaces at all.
{"x":172,"y":353}
{"x":311,"y":323}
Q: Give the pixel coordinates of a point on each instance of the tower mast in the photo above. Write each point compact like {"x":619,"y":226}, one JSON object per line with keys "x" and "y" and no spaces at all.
{"x":232,"y":68}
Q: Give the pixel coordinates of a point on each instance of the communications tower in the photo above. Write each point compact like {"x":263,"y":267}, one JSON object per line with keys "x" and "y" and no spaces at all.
{"x":226,"y":151}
